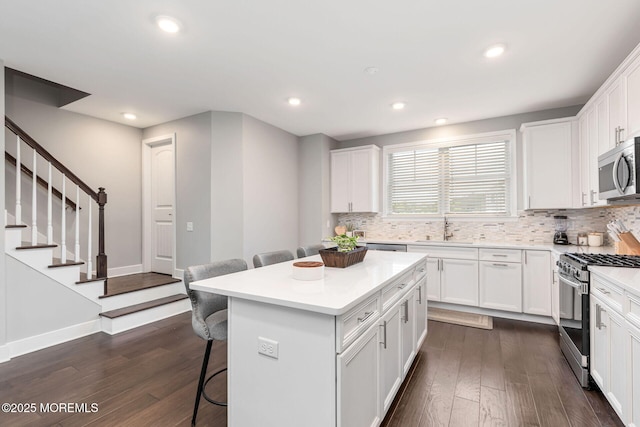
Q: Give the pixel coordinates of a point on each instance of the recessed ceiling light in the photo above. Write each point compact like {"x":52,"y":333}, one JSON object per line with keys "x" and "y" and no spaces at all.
{"x":294,"y":101}
{"x":168,"y":24}
{"x":371,"y":70}
{"x":494,"y":51}
{"x":129,"y":116}
{"x":441,"y":121}
{"x":398,"y":105}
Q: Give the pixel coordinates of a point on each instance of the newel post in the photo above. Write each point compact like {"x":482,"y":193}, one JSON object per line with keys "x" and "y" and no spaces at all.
{"x":101,"y":259}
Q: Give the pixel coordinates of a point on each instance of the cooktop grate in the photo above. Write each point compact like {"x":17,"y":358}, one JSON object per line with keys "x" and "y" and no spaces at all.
{"x":606,"y":260}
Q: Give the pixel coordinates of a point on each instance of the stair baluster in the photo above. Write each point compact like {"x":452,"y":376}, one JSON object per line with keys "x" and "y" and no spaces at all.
{"x":49,"y":209}
{"x":89,"y":263}
{"x":34,"y":201}
{"x":63,"y":230}
{"x":18,"y":184}
{"x":76,"y":251}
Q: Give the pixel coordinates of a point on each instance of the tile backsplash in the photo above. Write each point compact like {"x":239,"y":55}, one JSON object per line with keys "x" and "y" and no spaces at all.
{"x":529,"y":227}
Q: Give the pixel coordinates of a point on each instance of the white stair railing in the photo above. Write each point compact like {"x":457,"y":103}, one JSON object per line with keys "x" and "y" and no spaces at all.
{"x":34,"y":201}
{"x":63,"y":229}
{"x":76,"y":249}
{"x":18,"y":183}
{"x":89,"y":263}
{"x":49,"y":209}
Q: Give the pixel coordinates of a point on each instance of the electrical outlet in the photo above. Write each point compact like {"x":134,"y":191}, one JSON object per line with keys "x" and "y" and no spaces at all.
{"x":268,"y":347}
{"x":189,"y":226}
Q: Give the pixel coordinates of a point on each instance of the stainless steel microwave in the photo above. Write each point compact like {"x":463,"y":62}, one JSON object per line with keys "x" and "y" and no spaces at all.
{"x":618,"y":171}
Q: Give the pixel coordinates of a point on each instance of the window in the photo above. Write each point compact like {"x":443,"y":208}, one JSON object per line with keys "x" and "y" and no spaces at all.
{"x":471,"y":175}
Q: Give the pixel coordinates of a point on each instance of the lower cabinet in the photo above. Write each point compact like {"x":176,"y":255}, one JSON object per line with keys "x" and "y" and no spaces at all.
{"x":459,"y":281}
{"x":536,"y":282}
{"x":433,"y":279}
{"x":501,"y":285}
{"x":357,"y":373}
{"x":407,"y":326}
{"x":421,"y":311}
{"x":633,"y":339}
{"x":390,"y":355}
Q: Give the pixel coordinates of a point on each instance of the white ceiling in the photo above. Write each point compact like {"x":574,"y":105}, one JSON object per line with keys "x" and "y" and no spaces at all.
{"x":251,"y":55}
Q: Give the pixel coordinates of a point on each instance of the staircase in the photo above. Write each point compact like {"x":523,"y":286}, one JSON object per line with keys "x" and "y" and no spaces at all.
{"x":114,"y":312}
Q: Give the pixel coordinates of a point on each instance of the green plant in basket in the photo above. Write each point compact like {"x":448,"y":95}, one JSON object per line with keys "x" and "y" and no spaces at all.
{"x":344,"y":242}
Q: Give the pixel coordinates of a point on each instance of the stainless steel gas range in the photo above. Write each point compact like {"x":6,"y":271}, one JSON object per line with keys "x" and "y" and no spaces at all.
{"x":574,"y":305}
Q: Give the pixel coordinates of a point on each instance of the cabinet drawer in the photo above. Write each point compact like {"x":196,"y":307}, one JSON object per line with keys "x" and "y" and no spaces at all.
{"x":633,"y":316}
{"x":501,"y":255}
{"x":352,"y":324}
{"x":392,"y":292}
{"x":420,"y":271}
{"x":453,"y":252}
{"x":609,"y":293}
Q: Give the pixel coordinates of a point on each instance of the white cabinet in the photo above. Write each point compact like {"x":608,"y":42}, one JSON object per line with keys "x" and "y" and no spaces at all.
{"x":501,"y":285}
{"x":390,"y":356}
{"x":555,"y":289}
{"x":536,"y":282}
{"x":633,"y":337}
{"x":459,"y":281}
{"x":585,"y":170}
{"x":617,"y":99}
{"x":433,"y":279}
{"x":355,"y":185}
{"x":408,"y":332}
{"x":421,"y":312}
{"x":608,"y":356}
{"x":633,"y":100}
{"x":357,"y":391}
{"x":551,"y":171}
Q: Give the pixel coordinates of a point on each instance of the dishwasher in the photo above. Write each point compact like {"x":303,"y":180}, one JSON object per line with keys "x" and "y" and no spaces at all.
{"x":387,"y":247}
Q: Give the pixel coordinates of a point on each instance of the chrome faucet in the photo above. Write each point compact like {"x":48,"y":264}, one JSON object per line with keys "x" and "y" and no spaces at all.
{"x":445,"y":230}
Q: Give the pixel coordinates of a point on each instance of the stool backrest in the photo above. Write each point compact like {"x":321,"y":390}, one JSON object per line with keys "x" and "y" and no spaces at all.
{"x":304,"y":251}
{"x":268,"y":258}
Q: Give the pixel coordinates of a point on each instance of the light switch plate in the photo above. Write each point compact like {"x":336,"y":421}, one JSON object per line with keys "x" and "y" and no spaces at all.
{"x":189,"y":226}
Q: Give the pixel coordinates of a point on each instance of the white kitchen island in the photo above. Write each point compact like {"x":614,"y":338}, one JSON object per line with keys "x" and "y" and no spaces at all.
{"x":330,"y":352}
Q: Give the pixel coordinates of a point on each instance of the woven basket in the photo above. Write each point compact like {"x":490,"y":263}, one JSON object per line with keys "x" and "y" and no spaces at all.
{"x":332,"y":258}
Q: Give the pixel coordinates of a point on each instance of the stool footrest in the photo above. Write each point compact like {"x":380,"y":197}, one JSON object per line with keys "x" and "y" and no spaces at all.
{"x":204,"y":391}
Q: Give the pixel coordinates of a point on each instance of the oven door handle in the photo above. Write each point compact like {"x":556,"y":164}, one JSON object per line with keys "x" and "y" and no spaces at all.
{"x":581,"y":287}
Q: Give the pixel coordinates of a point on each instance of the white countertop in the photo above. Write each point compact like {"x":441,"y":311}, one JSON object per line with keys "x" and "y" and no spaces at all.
{"x":627,"y":278}
{"x":340,"y":290}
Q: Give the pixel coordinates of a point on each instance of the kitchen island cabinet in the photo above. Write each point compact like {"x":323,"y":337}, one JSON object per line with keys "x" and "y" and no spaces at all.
{"x":309,"y":352}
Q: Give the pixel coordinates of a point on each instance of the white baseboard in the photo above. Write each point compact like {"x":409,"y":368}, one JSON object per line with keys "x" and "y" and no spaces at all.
{"x":48,"y":339}
{"x":178,"y":273}
{"x":494,"y":313}
{"x":5,"y":355}
{"x":123,"y":271}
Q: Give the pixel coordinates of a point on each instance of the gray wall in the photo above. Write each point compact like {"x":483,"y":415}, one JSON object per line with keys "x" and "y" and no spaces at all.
{"x":270,"y":179}
{"x":469,"y":128}
{"x":3,"y":294}
{"x":102,"y":154}
{"x":193,"y":185}
{"x":314,"y":189}
{"x":56,"y":306}
{"x":227,"y":184}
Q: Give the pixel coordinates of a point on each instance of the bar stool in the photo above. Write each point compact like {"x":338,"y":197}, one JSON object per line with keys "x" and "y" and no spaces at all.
{"x":268,"y":258}
{"x":209,"y":316}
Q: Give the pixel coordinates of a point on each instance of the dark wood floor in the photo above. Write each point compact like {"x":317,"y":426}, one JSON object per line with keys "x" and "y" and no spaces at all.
{"x":134,"y":282}
{"x":513,"y":375}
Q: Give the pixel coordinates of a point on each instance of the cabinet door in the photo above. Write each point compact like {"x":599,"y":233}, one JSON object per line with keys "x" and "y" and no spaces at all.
{"x":536,"y":283}
{"x":459,"y":281}
{"x":633,"y":101}
{"x":408,"y":326}
{"x":433,"y":279}
{"x":617,"y":113}
{"x":548,"y":168}
{"x":501,"y":286}
{"x":618,"y":375}
{"x":390,"y":364}
{"x":555,"y":297}
{"x":358,"y":401}
{"x":421,"y":312}
{"x":340,"y":184}
{"x":599,"y":358}
{"x":598,"y":119}
{"x":585,"y":166}
{"x":363,"y":178}
{"x":634,"y":376}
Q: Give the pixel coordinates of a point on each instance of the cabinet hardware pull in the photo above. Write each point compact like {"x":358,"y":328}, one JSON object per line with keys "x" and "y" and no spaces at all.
{"x":604,"y":291}
{"x":620,"y":134}
{"x":593,"y":200}
{"x":529,"y":203}
{"x":419,"y":294}
{"x":584,"y":195}
{"x":406,"y":311}
{"x":525,"y":257}
{"x":617,"y":137}
{"x":384,"y":334}
{"x":598,"y":316}
{"x":401,"y":286}
{"x":500,"y":265}
{"x":500,"y":255}
{"x":367,"y":314}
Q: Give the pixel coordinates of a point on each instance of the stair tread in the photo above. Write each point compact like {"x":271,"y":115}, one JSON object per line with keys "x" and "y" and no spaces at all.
{"x":27,"y":245}
{"x":112,"y":314}
{"x":83,"y":279}
{"x":136,"y":282}
{"x":57,"y":262}
{"x":15,"y":226}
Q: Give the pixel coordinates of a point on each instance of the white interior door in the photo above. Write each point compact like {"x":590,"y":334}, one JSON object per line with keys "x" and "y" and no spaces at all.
{"x":159,"y":204}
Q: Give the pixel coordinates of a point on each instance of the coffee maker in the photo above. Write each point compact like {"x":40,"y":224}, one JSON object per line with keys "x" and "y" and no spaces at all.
{"x":560,"y":236}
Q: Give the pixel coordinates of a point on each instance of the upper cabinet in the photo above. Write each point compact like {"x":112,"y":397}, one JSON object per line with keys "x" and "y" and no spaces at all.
{"x":355,"y":179}
{"x":551,"y":168}
{"x":633,"y":100}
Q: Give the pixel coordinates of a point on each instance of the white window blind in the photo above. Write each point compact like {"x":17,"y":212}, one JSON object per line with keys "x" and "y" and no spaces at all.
{"x":469,"y":178}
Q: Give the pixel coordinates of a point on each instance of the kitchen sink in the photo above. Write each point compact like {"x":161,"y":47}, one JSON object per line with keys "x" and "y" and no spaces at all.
{"x":446,"y":242}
